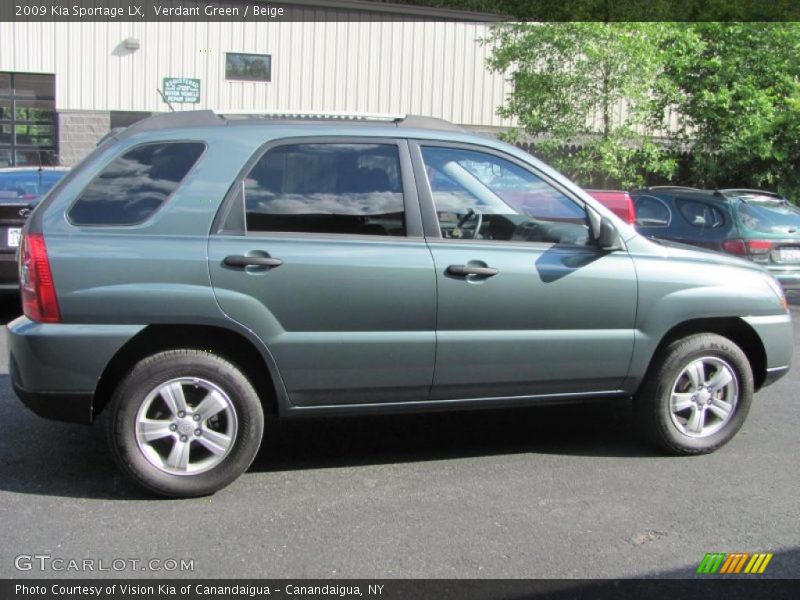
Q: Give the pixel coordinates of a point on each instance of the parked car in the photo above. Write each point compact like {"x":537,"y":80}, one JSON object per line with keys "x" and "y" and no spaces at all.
{"x":619,"y":202}
{"x":199,"y":270}
{"x":756,"y":225}
{"x":20,"y":190}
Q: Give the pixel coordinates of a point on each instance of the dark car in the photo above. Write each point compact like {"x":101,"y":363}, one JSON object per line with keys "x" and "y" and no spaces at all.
{"x":760,"y":226}
{"x":20,"y":190}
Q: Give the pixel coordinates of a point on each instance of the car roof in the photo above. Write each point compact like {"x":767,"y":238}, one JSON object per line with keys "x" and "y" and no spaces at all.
{"x":683,"y":193}
{"x":207,"y":118}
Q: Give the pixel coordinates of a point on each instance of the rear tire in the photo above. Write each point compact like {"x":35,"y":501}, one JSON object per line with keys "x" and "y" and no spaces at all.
{"x":696,"y":395}
{"x":185,"y":423}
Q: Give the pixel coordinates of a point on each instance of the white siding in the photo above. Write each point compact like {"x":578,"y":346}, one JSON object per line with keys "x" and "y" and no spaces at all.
{"x":429,"y":68}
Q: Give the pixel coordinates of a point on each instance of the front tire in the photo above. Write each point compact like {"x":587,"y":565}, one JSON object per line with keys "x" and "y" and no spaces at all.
{"x":185,"y":423}
{"x":696,"y":395}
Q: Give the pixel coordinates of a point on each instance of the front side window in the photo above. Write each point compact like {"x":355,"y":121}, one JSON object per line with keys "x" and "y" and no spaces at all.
{"x":332,"y":188}
{"x":651,"y":212}
{"x":481,"y":196}
{"x":135,"y":185}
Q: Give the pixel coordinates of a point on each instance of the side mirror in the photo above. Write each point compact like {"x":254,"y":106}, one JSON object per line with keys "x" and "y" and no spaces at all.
{"x":604,"y":233}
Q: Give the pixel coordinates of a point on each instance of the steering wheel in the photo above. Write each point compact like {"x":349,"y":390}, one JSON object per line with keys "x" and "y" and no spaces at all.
{"x":478,"y":221}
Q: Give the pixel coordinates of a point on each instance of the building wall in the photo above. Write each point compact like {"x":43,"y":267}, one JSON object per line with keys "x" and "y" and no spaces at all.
{"x":79,"y":132}
{"x":399,"y":66}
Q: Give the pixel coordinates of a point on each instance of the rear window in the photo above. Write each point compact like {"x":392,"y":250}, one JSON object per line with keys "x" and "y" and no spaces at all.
{"x":769,"y":216}
{"x":27,"y":185}
{"x":135,"y":185}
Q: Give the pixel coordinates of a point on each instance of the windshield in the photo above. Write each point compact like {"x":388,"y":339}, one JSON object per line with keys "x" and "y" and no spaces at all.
{"x":769,"y":215}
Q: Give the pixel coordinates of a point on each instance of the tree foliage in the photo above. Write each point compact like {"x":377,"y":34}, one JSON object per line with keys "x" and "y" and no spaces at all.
{"x":737,"y":88}
{"x":591,"y":85}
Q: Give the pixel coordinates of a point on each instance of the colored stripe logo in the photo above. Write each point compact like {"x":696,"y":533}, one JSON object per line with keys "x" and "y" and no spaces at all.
{"x":734,"y":563}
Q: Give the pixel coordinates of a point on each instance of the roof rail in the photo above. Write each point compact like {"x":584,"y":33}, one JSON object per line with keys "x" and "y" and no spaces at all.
{"x":311,"y":115}
{"x":674,"y":187}
{"x":748,"y":191}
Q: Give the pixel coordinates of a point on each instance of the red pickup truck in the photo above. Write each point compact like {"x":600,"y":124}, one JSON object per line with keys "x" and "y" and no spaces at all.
{"x":619,"y":202}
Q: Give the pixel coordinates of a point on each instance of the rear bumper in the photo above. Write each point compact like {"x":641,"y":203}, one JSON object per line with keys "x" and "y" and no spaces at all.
{"x":775,"y":332}
{"x":55,"y":367}
{"x":9,"y":278}
{"x":59,"y":406}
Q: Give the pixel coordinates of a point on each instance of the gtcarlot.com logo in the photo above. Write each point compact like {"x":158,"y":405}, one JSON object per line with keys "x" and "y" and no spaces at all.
{"x":46,"y":562}
{"x":734,"y":563}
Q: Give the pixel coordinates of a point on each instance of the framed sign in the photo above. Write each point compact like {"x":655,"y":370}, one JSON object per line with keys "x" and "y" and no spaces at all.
{"x":180,"y":90}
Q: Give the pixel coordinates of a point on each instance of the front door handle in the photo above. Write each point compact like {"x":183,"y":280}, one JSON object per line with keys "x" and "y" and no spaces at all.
{"x":470,"y":270}
{"x":252,"y":261}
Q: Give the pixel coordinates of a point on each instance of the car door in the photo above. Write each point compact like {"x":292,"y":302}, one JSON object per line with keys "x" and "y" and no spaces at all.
{"x":321,"y":254}
{"x":527,"y":304}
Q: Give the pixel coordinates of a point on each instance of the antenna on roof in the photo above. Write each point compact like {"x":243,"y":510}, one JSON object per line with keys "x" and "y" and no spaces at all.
{"x":164,"y":98}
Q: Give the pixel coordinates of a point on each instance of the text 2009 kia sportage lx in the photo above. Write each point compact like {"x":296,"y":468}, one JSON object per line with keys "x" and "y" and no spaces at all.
{"x":197,"y":271}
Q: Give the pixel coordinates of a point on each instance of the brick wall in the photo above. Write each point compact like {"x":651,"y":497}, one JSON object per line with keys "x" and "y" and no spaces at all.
{"x":78,"y":134}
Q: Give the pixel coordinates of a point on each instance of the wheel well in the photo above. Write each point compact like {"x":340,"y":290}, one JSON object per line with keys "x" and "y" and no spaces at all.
{"x":222,"y":342}
{"x":732,"y":328}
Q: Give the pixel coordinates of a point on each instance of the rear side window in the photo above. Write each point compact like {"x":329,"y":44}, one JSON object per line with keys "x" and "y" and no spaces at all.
{"x":333,"y":188}
{"x":135,"y":185}
{"x":700,"y":214}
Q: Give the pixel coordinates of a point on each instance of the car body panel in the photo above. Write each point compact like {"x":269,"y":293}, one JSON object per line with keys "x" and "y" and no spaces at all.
{"x":61,"y":357}
{"x":346,"y":320}
{"x":534,"y":327}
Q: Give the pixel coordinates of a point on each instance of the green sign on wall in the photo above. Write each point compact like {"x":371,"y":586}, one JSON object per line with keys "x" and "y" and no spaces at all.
{"x":181,"y":90}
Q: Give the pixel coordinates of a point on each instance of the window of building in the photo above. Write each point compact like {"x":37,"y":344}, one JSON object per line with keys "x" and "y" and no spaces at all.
{"x":248,"y":67}
{"x":481,"y":196}
{"x":135,"y":185}
{"x":352,"y":189}
{"x":27,"y":120}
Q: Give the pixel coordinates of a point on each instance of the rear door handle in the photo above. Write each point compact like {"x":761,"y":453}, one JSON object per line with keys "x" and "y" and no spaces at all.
{"x":470,"y":270}
{"x":252,"y":261}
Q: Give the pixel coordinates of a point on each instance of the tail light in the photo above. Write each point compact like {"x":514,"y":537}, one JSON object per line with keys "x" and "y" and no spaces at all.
{"x":39,"y":301}
{"x":759,"y":246}
{"x":631,"y":211}
{"x":747,"y":247}
{"x":735,"y":247}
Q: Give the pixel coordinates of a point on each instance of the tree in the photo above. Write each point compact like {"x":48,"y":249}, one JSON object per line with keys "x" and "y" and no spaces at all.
{"x":737,"y":89}
{"x":592,"y":84}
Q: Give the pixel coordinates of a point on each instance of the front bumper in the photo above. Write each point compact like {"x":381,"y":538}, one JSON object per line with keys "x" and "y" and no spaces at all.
{"x":789,"y":278}
{"x":55,"y":367}
{"x":775,"y":333}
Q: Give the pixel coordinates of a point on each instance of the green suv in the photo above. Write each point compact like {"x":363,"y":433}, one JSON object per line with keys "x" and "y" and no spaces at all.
{"x":198,"y":271}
